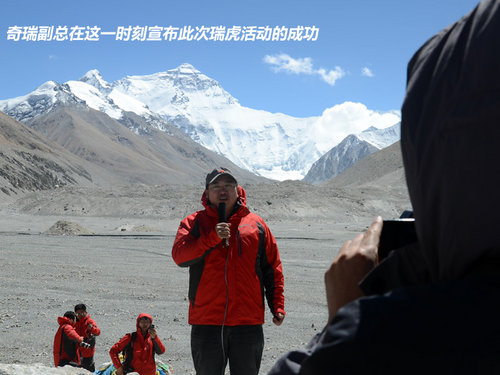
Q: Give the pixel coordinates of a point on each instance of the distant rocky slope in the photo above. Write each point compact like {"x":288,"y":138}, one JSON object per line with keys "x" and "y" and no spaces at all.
{"x":41,"y":177}
{"x":30,"y":162}
{"x":383,"y":168}
{"x":338,"y":159}
{"x":352,"y":149}
{"x":77,"y":145}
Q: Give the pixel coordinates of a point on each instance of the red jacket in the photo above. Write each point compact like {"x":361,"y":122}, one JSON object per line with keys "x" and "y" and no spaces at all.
{"x":253,"y":267}
{"x":142,"y":361}
{"x":82,"y":329}
{"x":66,"y":342}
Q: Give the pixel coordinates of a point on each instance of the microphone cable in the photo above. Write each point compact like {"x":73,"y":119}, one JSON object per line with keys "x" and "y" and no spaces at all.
{"x":225,"y":313}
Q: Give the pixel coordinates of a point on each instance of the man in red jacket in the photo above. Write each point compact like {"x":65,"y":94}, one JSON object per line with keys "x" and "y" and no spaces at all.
{"x":87,"y":328}
{"x":66,"y":341}
{"x":234,"y":265}
{"x":142,"y":345}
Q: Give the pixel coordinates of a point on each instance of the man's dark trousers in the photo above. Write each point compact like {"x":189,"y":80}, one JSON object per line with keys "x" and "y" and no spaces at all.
{"x":88,"y":363}
{"x":213,"y":346}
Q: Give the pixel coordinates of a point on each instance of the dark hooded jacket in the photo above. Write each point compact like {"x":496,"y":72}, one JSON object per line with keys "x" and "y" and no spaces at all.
{"x":66,"y":342}
{"x":439,"y":313}
{"x":143,"y":360}
{"x":251,"y":265}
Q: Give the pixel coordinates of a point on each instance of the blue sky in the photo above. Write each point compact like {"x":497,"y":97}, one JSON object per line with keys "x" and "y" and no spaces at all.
{"x":360,"y":55}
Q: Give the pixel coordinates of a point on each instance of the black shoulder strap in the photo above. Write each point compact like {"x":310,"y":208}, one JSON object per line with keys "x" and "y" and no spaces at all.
{"x":128,"y":353}
{"x":61,"y":344}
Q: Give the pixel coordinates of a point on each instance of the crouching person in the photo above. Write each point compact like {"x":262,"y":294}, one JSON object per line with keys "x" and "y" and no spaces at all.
{"x":139,"y":349}
{"x":67,"y":341}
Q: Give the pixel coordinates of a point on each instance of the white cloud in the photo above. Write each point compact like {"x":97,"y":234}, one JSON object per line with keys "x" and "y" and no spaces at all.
{"x":287,"y":64}
{"x":331,"y":76}
{"x":367,"y":72}
{"x":339,"y":121}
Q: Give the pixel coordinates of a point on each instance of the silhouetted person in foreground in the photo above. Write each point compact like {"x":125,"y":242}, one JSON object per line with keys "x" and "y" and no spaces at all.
{"x":432,"y":307}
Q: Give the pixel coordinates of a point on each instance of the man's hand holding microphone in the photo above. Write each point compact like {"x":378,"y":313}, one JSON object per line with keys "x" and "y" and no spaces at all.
{"x":223,"y":229}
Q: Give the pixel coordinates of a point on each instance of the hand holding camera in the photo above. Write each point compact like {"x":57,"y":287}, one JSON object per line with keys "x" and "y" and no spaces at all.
{"x":152,"y":331}
{"x":85,"y":345}
{"x":355,"y":259}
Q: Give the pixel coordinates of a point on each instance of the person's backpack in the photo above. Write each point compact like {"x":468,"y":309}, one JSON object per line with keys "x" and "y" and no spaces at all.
{"x":128,"y":353}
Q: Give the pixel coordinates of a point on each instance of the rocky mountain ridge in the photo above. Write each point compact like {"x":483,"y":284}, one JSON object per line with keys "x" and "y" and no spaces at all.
{"x":74,"y":146}
{"x":184,"y":101}
{"x":352,"y":149}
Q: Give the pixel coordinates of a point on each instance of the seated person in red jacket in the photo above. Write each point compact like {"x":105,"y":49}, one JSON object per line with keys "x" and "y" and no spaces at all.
{"x":86,"y":327}
{"x":142,"y":344}
{"x":66,"y":341}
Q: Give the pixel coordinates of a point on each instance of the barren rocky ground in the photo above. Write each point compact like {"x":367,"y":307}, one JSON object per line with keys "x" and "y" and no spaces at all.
{"x":125,"y":267}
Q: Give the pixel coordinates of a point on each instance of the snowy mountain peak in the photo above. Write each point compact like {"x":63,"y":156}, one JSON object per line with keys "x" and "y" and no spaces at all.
{"x":182,"y":72}
{"x":370,"y":129}
{"x":39,"y":101}
{"x":47,"y":86}
{"x":188,"y":77}
{"x":177,"y":92}
{"x":381,"y":138}
{"x":186,"y":68}
{"x":94,"y":77}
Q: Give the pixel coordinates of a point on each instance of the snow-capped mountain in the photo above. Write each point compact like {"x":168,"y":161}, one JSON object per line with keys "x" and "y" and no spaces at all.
{"x":40,"y":101}
{"x":89,"y":91}
{"x":273,"y":145}
{"x":352,"y":148}
{"x":100,"y":95}
{"x":381,"y":138}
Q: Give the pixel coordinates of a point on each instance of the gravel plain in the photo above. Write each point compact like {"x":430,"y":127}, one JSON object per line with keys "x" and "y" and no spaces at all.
{"x":121,"y":266}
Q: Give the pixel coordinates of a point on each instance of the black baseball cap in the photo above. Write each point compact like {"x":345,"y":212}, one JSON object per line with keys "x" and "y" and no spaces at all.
{"x":216,"y":173}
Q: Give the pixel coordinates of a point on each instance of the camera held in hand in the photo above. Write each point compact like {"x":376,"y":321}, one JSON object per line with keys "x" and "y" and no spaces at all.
{"x":85,"y":345}
{"x":397,"y":234}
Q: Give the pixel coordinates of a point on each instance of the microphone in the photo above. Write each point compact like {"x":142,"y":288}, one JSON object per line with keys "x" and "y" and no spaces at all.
{"x":221,"y":209}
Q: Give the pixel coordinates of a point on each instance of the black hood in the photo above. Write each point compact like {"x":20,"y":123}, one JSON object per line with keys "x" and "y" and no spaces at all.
{"x":450,"y":139}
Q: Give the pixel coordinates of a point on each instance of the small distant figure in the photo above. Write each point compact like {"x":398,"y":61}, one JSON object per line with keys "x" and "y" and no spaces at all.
{"x":139,"y":349}
{"x":67,"y":342}
{"x":87,"y":328}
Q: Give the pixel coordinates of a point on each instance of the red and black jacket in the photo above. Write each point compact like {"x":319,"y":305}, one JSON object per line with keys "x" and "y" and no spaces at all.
{"x":251,"y":265}
{"x":88,"y":335}
{"x":66,"y":342}
{"x":143,"y":350}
